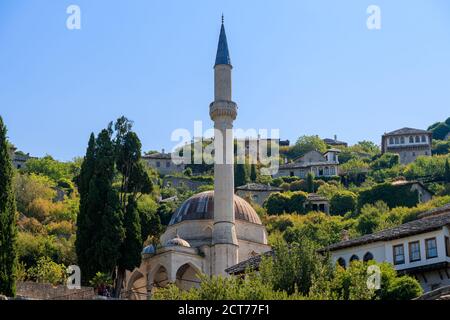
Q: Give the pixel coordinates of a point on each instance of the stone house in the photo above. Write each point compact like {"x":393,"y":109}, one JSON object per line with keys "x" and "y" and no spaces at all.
{"x":256,"y":192}
{"x":321,"y":165}
{"x":408,"y":143}
{"x":164,"y":163}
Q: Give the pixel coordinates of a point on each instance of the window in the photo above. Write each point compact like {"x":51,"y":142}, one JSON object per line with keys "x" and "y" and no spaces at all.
{"x":417,"y":139}
{"x":414,"y":251}
{"x":399,"y":254}
{"x":402,"y":140}
{"x":414,"y":154}
{"x":291,"y":173}
{"x":158,"y":164}
{"x":341,"y":262}
{"x":447,"y":246}
{"x":397,"y":140}
{"x":168,"y":164}
{"x":411,"y":139}
{"x":368,"y":256}
{"x":391,"y":140}
{"x":320,"y":172}
{"x":424,"y":139}
{"x":354,"y":258}
{"x":431,"y":248}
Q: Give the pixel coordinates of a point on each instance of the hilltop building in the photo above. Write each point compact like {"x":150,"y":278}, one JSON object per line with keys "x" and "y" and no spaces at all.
{"x":321,"y":165}
{"x":408,"y":143}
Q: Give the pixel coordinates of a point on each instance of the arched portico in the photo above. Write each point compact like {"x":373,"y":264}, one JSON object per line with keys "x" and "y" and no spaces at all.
{"x":187,"y":276}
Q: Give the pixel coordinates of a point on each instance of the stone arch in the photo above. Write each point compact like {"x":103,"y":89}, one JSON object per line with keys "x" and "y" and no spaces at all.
{"x":136,"y":288}
{"x":160,"y":277}
{"x":354,"y":258}
{"x":187,"y":276}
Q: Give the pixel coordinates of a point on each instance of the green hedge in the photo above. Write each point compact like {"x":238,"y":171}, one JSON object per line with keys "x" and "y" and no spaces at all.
{"x":393,"y":196}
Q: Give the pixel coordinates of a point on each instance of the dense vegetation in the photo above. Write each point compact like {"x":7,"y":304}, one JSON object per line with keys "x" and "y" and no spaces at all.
{"x":98,"y":211}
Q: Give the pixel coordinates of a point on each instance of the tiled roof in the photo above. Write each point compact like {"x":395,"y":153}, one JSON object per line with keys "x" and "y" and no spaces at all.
{"x":294,"y":165}
{"x":158,"y":155}
{"x":252,"y":263}
{"x":406,"y":131}
{"x":258,"y":187}
{"x":334,"y":142}
{"x":404,"y":230}
{"x":316,"y":197}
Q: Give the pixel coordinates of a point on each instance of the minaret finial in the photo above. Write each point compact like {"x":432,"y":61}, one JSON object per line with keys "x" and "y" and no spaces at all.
{"x":222,"y":18}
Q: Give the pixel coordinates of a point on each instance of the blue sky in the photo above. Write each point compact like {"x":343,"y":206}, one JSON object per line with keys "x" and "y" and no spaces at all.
{"x":304,"y":67}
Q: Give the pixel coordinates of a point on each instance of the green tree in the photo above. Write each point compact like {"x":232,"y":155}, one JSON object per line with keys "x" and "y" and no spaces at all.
{"x":440,"y":131}
{"x":240,"y":174}
{"x":8,"y":229}
{"x":253,"y":173}
{"x":47,"y":166}
{"x":386,"y":161}
{"x":310,"y":182}
{"x":277,"y":203}
{"x":305,"y":144}
{"x":343,"y":202}
{"x":135,"y":182}
{"x":100,"y":229}
{"x":447,"y":171}
{"x":293,"y":267}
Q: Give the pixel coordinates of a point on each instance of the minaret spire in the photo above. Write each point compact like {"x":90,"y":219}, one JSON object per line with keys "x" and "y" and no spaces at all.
{"x":223,"y":55}
{"x":223,"y":112}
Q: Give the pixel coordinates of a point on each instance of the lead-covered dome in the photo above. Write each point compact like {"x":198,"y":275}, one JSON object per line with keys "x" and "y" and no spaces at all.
{"x":201,"y":207}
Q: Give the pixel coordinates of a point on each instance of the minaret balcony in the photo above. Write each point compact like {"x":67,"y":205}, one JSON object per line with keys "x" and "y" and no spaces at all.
{"x":223,"y":108}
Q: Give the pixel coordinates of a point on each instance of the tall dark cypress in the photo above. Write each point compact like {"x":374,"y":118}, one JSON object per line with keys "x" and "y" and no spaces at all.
{"x":253,"y":173}
{"x":85,"y":225}
{"x":8,"y":228}
{"x":99,"y":226}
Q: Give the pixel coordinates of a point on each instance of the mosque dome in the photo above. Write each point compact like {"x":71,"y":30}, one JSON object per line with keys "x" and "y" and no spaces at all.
{"x":177,"y":242}
{"x":201,"y":207}
{"x":149,"y":250}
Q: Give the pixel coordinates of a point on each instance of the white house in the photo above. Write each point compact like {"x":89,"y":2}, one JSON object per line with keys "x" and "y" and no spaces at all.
{"x":420,"y":248}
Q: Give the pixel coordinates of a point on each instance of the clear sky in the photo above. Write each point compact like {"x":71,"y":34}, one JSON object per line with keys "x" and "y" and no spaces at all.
{"x":304,"y":67}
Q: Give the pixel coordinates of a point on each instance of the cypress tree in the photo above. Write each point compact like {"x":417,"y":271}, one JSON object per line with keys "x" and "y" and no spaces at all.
{"x":132,"y":244}
{"x":240,"y":175}
{"x":447,"y":171}
{"x":99,"y":226}
{"x":253,"y":173}
{"x":8,"y":229}
{"x":85,"y":225}
{"x":104,"y":207}
{"x":310,"y":182}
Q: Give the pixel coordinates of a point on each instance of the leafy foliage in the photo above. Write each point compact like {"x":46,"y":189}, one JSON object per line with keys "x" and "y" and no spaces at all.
{"x":8,"y":229}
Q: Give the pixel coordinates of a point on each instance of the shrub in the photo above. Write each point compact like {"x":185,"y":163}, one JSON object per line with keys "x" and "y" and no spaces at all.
{"x":343,"y":202}
{"x":392,"y":195}
{"x":47,"y":271}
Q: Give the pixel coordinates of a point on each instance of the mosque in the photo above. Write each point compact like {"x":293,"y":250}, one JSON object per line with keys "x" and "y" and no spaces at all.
{"x":213,"y":230}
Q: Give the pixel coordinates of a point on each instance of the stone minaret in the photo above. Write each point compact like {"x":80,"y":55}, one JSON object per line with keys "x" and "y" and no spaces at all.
{"x":223,"y":111}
